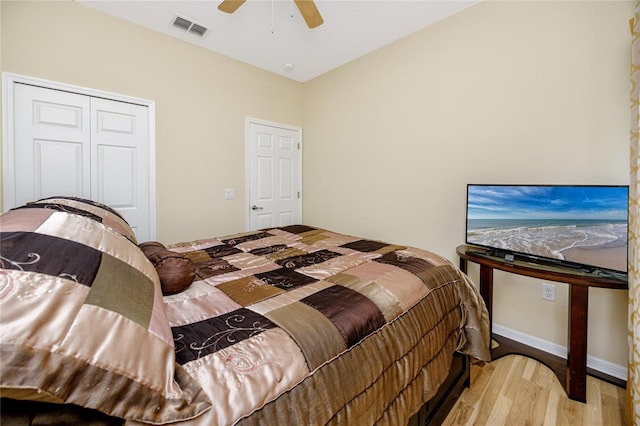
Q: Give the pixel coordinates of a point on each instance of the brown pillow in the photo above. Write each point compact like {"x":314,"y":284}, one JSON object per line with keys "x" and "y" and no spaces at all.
{"x":175,"y":270}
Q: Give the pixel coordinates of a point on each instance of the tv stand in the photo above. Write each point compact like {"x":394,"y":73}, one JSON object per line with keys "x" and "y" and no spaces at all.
{"x":579,"y":281}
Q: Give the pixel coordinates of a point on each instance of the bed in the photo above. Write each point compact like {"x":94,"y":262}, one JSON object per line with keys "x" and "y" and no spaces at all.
{"x":289,"y":325}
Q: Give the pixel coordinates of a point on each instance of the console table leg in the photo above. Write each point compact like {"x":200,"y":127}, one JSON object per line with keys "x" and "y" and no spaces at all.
{"x":576,"y":385}
{"x":486,"y":291}
{"x":463,"y":265}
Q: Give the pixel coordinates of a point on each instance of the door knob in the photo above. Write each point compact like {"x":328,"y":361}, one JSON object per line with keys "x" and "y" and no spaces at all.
{"x":254,"y":207}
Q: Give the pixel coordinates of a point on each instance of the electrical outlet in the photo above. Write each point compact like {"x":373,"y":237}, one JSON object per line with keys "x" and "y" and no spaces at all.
{"x":548,"y":292}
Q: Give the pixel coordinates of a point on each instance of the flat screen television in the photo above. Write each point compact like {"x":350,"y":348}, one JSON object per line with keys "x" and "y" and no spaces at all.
{"x":577,"y":226}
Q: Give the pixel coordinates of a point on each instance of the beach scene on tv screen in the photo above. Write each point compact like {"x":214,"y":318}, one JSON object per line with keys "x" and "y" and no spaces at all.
{"x":585,"y":225}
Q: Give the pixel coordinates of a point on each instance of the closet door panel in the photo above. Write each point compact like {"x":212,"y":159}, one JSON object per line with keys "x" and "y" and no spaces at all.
{"x":120,"y":151}
{"x":116,"y":174}
{"x":49,"y":178}
{"x":52,"y":148}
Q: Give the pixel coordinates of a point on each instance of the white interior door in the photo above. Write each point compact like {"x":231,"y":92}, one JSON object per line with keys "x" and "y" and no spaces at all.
{"x":274,"y":174}
{"x":52,"y":155}
{"x":120,"y":159}
{"x":70,"y":141}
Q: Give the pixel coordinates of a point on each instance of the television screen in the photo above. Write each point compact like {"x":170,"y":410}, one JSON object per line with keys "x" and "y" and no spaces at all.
{"x":576,"y":225}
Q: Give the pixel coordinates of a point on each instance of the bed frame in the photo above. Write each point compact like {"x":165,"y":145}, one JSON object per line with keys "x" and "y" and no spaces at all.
{"x":437,"y":408}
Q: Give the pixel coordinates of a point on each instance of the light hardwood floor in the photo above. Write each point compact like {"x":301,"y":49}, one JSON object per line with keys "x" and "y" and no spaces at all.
{"x":516,"y":390}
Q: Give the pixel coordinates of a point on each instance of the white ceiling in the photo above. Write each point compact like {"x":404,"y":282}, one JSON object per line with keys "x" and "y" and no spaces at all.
{"x":269,"y":34}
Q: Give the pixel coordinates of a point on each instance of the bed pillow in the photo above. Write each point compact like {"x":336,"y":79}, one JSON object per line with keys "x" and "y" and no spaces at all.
{"x":83,"y":320}
{"x":176,"y":271}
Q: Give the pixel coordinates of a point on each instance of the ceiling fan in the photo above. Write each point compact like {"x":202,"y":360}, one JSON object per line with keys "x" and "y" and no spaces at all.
{"x":307,"y":8}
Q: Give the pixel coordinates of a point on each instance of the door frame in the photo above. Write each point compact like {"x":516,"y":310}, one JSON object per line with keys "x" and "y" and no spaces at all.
{"x":9,"y":80}
{"x":248,"y":152}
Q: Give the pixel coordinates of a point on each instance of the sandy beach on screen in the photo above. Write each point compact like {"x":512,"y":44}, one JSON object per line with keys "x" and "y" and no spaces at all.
{"x":610,"y":258}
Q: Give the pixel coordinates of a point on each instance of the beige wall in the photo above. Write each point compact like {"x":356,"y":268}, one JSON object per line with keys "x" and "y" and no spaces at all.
{"x":201,"y":102}
{"x":504,"y":92}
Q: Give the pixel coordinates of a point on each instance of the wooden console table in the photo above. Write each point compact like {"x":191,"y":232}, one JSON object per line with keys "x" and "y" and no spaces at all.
{"x":579,"y":283}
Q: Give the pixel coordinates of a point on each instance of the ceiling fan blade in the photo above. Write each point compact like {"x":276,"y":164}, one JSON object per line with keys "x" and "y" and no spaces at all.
{"x":310,"y":13}
{"x":230,"y":6}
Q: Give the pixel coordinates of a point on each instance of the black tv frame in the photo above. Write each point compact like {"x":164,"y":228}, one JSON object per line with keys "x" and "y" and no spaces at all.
{"x":513,"y":255}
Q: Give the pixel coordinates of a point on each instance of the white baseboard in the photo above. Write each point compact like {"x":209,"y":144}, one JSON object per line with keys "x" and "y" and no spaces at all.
{"x":606,"y":367}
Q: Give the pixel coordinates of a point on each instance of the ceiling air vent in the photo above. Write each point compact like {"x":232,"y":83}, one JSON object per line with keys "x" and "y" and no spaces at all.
{"x":189,"y":26}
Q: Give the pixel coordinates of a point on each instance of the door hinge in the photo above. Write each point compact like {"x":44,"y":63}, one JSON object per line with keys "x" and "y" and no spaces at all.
{"x":298,"y":146}
{"x":298,"y":194}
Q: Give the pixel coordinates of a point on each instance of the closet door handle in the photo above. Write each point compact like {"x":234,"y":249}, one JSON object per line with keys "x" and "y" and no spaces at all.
{"x":254,"y":207}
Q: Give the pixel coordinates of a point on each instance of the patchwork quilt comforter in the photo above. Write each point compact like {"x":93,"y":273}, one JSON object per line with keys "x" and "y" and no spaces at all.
{"x":290,"y":325}
{"x":285,"y":314}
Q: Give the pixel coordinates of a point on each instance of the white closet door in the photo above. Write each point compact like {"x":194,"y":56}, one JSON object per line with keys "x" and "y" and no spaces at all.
{"x":75,"y":144}
{"x":120,"y":160}
{"x":52,"y":151}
